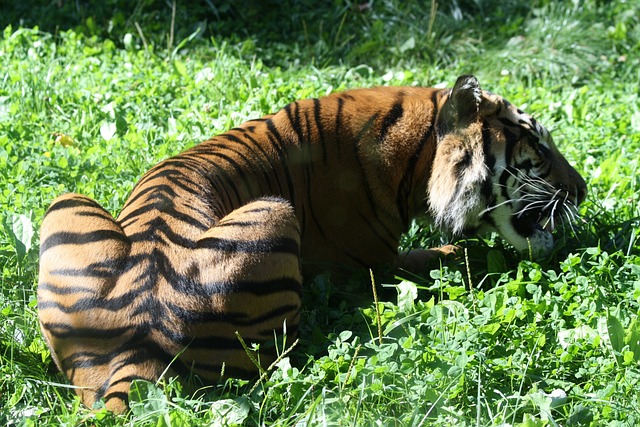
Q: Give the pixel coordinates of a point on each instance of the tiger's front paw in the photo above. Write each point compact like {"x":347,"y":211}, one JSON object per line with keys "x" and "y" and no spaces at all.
{"x":418,"y":260}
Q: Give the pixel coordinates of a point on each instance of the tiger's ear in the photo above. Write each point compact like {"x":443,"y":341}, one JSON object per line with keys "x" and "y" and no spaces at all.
{"x":463,"y":106}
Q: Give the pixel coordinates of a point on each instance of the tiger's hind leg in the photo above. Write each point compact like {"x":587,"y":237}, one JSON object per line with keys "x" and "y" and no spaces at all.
{"x":241,"y":275}
{"x":82,"y":254}
{"x":247,"y":281}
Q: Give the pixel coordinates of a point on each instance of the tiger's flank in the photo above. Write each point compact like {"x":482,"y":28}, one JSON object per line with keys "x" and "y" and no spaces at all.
{"x":217,"y":239}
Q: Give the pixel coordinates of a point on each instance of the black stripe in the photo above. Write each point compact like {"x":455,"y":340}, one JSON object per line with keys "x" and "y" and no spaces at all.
{"x":179,"y":178}
{"x":234,"y":223}
{"x":240,"y":171}
{"x":64,"y":290}
{"x":169,"y":169}
{"x":356,"y":148}
{"x":525,"y":165}
{"x":276,"y":140}
{"x":271,"y":168}
{"x":141,"y":193}
{"x":508,"y":172}
{"x":130,"y":379}
{"x":69,"y":238}
{"x":510,"y":143}
{"x":212,"y":173}
{"x":489,"y":158}
{"x":165,"y":203}
{"x":92,"y":214}
{"x":220,"y":188}
{"x":92,"y":303}
{"x":317,"y":117}
{"x":506,"y":122}
{"x":264,"y":287}
{"x":236,"y":318}
{"x":64,"y":331}
{"x":97,"y":212}
{"x":314,"y":217}
{"x":102,"y":269}
{"x":152,"y":189}
{"x":121,"y":395}
{"x":253,"y":162}
{"x":186,"y":284}
{"x":142,"y":350}
{"x":273,"y":245}
{"x":294,"y":119}
{"x":486,"y":188}
{"x":213,"y":342}
{"x":157,"y":229}
{"x":391,"y":118}
{"x":73,"y":203}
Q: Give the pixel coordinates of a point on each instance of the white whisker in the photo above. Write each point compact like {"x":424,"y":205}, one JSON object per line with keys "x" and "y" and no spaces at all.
{"x":534,"y":195}
{"x":570,"y":211}
{"x":529,"y":206}
{"x":508,"y":201}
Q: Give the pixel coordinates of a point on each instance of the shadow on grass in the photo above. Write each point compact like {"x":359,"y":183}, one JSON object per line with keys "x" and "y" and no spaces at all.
{"x":324,"y":33}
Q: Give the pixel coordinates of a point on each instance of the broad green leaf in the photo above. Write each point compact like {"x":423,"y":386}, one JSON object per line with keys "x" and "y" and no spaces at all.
{"x":407,"y":294}
{"x":20,"y":229}
{"x":231,"y":412}
{"x":616,"y":333}
{"x":147,"y":398}
{"x":490,"y":328}
{"x":628,"y":357}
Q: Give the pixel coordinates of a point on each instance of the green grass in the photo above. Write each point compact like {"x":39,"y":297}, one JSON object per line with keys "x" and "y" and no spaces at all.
{"x":87,"y":105}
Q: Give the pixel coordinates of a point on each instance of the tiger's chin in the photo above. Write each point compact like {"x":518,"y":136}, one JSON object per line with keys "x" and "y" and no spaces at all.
{"x":538,"y":244}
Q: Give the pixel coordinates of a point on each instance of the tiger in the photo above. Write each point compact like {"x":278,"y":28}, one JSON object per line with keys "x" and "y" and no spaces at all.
{"x":209,"y":253}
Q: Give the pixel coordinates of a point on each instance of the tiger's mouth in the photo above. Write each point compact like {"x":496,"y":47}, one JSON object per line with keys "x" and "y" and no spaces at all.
{"x":527,"y":221}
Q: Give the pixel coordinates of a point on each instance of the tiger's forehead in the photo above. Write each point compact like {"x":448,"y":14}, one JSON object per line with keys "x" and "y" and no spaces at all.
{"x":507,"y":112}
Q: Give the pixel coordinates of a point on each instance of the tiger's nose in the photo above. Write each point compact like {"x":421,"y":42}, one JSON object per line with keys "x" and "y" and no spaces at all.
{"x":581,"y":193}
{"x":581,"y":187}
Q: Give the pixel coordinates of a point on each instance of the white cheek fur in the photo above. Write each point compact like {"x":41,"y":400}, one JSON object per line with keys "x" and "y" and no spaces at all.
{"x":455,"y":196}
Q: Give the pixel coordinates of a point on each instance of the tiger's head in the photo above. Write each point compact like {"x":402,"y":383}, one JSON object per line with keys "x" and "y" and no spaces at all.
{"x":497,"y":169}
